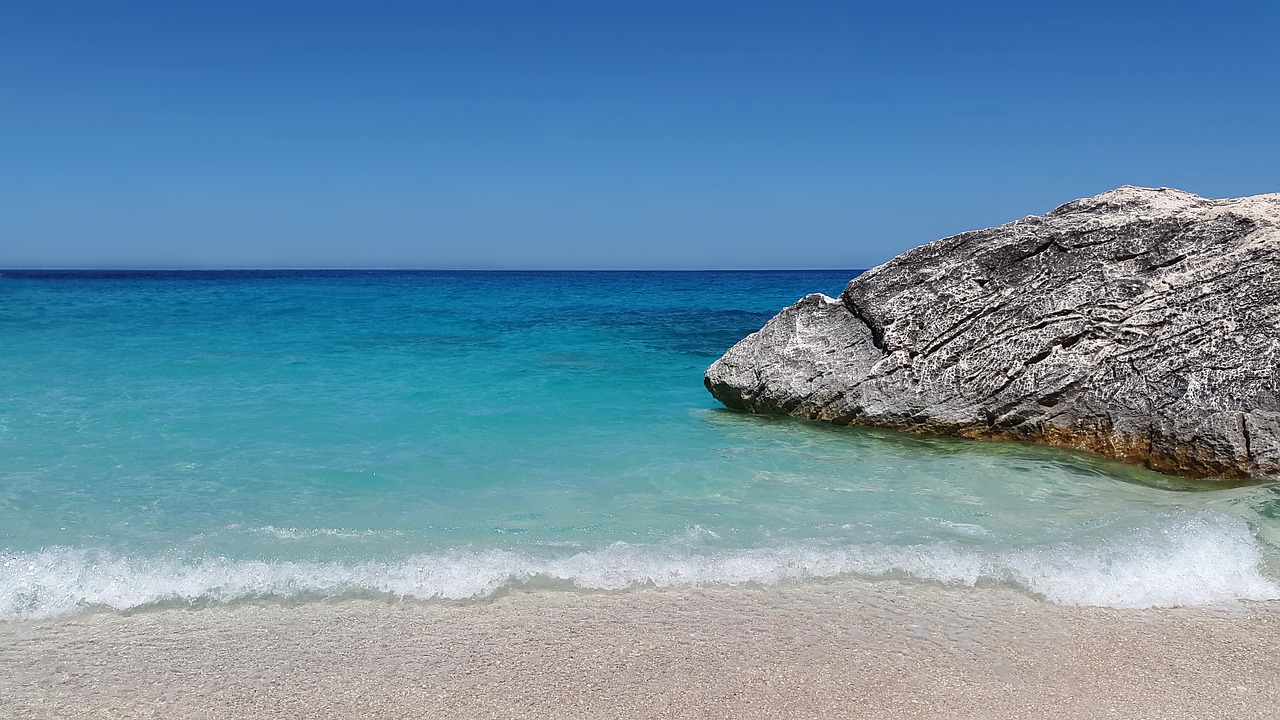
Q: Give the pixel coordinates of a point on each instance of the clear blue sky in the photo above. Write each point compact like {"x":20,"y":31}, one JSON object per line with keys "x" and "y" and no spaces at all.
{"x":602,"y":134}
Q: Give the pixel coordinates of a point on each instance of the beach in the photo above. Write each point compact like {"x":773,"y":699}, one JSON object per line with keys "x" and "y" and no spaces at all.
{"x":844,"y":648}
{"x":341,"y":494}
{"x":877,"y":361}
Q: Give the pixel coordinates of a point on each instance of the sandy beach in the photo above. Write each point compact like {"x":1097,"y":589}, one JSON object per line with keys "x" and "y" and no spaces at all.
{"x":842,"y":649}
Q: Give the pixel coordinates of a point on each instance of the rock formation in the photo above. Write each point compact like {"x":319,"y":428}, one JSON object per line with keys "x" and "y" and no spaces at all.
{"x":1141,"y":324}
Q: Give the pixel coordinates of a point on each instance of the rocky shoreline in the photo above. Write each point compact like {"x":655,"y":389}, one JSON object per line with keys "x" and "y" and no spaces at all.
{"x":1141,"y":324}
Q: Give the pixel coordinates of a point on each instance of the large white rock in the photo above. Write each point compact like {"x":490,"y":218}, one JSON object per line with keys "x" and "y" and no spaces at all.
{"x":1142,"y":324}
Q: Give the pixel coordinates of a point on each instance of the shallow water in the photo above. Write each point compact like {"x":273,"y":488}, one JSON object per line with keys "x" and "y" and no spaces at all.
{"x":205,"y":437}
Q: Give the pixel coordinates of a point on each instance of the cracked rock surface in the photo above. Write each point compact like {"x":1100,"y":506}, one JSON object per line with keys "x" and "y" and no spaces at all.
{"x":1141,"y":324}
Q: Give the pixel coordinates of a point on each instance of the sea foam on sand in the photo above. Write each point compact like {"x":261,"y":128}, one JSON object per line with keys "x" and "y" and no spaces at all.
{"x":1196,"y":559}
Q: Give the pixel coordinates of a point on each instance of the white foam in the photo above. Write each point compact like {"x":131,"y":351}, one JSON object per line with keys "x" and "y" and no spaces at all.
{"x":970,"y":529}
{"x":1192,"y":559}
{"x":1200,"y":559}
{"x":290,"y":533}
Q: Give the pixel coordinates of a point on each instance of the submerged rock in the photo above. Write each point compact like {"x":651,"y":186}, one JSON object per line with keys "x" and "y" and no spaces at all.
{"x":1141,"y":324}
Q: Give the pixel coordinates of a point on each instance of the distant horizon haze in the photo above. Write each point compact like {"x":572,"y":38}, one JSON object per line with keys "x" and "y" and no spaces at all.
{"x":107,"y":269}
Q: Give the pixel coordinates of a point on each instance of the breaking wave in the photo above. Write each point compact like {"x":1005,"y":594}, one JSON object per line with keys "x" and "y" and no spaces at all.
{"x":1192,"y":559}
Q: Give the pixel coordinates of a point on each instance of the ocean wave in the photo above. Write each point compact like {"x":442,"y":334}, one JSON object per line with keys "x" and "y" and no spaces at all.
{"x":292,"y":533}
{"x":1194,"y":559}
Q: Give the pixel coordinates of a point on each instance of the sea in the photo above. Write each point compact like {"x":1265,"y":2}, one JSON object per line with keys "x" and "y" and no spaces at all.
{"x":198,"y":438}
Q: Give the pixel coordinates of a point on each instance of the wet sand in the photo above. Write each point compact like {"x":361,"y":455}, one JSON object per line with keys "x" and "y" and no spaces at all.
{"x":846,"y":649}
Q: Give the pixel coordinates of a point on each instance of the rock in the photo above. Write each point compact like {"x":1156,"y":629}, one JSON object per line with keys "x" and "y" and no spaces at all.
{"x":1141,"y":324}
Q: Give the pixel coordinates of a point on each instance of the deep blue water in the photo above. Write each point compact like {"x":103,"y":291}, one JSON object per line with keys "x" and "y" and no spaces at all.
{"x":204,"y":436}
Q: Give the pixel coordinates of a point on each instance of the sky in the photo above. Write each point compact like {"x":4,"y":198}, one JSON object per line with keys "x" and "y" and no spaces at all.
{"x":605,"y":134}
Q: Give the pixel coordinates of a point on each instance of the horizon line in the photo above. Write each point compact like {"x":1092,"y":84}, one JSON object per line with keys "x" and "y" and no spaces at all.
{"x":393,"y":268}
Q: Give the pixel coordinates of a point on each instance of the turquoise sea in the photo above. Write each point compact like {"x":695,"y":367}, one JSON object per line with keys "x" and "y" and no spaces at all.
{"x":191,"y":438}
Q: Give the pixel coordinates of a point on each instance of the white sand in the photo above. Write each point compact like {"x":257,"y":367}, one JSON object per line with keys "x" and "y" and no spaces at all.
{"x":847,"y":649}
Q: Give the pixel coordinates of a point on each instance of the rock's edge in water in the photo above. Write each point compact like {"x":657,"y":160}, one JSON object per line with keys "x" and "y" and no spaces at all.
{"x":1141,"y":324}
